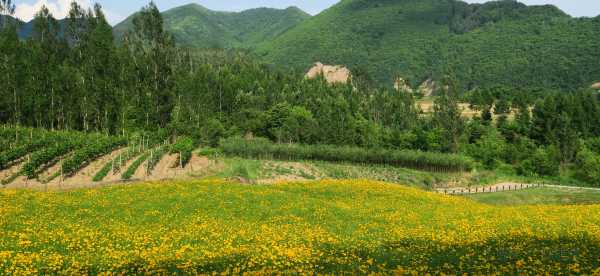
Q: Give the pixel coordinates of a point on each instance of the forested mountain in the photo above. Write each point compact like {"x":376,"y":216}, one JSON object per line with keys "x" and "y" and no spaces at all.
{"x":25,"y":29}
{"x":196,"y":26}
{"x":497,"y":43}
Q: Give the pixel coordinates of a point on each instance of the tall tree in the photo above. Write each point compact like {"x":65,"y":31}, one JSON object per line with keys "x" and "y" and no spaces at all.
{"x":152,"y":50}
{"x":447,"y":114}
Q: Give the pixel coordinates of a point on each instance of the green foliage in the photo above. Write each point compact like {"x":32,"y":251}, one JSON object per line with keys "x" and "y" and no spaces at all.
{"x":209,"y":152}
{"x":134,"y":166}
{"x":588,"y":167}
{"x":499,"y":42}
{"x":543,"y":162}
{"x":103,"y":172}
{"x":195,"y":26}
{"x":212,"y":131}
{"x":183,"y":147}
{"x":155,"y":157}
{"x":47,"y":155}
{"x":489,"y":149}
{"x":412,"y":159}
{"x":6,"y":157}
{"x":89,"y":152}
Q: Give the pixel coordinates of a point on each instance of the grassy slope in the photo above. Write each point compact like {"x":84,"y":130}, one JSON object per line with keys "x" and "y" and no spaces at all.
{"x":327,"y":226}
{"x":540,"y":197}
{"x":509,"y":44}
{"x":194,"y":25}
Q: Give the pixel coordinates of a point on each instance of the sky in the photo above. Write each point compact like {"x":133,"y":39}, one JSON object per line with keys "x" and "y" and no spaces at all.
{"x":117,"y":10}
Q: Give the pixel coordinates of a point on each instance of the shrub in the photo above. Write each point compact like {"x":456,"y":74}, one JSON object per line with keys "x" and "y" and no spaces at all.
{"x":102,"y":173}
{"x":588,"y":167}
{"x":49,"y":154}
{"x":543,"y":162}
{"x":184,"y":147}
{"x":89,"y":152}
{"x":133,"y":168}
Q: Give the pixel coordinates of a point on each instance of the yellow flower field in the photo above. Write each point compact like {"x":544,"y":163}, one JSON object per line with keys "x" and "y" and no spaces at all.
{"x":320,"y":227}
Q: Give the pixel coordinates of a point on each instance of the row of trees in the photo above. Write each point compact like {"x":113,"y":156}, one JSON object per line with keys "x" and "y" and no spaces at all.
{"x":73,"y":75}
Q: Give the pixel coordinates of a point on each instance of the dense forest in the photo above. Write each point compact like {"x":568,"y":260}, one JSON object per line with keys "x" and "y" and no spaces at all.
{"x":83,"y":79}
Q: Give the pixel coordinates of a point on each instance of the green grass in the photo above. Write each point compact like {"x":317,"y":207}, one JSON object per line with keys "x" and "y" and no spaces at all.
{"x":244,"y":168}
{"x":541,"y":196}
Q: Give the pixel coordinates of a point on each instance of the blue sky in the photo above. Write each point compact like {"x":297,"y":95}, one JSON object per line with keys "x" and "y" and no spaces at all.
{"x":117,"y":10}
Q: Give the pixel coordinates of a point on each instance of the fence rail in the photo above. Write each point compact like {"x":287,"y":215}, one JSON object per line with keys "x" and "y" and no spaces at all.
{"x":489,"y":189}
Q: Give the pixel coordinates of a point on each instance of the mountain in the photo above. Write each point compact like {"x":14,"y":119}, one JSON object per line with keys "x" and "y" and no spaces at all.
{"x":497,"y":43}
{"x":23,"y":30}
{"x":196,"y":26}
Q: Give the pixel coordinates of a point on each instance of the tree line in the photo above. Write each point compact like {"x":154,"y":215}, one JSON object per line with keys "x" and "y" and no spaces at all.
{"x":73,"y":75}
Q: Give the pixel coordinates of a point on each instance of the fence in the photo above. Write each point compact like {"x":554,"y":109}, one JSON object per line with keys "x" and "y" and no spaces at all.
{"x":489,"y":189}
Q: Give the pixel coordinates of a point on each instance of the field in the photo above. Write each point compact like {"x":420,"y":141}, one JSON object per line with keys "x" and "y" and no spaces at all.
{"x":315,"y":227}
{"x":558,"y":196}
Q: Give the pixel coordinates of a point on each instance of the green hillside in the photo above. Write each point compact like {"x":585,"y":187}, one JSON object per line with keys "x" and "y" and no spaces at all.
{"x":197,"y":26}
{"x":502,"y":42}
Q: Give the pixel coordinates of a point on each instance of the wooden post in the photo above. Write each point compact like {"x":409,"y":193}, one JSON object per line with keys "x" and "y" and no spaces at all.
{"x":180,"y":160}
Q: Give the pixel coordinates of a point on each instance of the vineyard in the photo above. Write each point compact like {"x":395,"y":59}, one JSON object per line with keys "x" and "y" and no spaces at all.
{"x":40,"y":158}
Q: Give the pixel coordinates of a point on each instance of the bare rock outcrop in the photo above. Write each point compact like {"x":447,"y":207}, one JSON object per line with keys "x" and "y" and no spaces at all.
{"x":401,"y":85}
{"x":427,"y":88}
{"x":331,"y":73}
{"x":596,"y":86}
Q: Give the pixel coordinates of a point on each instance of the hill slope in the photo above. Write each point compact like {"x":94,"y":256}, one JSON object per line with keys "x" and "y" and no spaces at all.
{"x":502,"y":42}
{"x":196,"y":26}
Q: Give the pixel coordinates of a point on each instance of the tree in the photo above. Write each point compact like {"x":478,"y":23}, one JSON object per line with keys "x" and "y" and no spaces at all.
{"x":151,"y":48}
{"x":447,"y":116}
{"x":588,"y":166}
{"x":7,"y":8}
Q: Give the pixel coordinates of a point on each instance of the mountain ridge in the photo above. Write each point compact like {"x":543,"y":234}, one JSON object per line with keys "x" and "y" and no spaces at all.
{"x":194,"y":25}
{"x":422,"y":39}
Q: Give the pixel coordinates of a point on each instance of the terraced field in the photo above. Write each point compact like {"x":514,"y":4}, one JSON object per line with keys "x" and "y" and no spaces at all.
{"x":40,"y":159}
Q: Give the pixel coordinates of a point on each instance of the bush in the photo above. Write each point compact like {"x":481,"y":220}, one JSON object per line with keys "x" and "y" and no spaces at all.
{"x":489,"y":149}
{"x":41,"y":158}
{"x":133,"y":168}
{"x":209,"y":152}
{"x":90,"y":152}
{"x":184,"y":147}
{"x":102,"y":173}
{"x":543,"y":162}
{"x":588,"y":167}
{"x":262,"y":148}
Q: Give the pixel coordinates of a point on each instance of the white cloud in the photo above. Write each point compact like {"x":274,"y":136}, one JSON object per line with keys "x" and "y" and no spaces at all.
{"x":59,"y":9}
